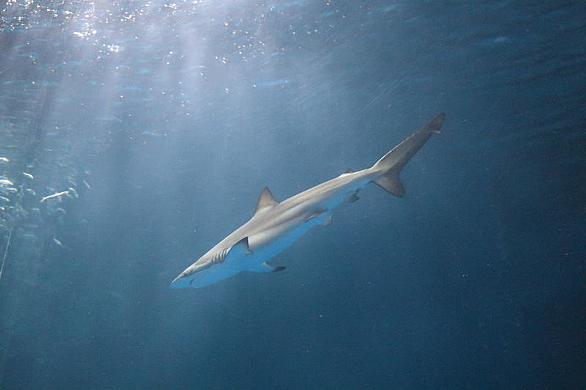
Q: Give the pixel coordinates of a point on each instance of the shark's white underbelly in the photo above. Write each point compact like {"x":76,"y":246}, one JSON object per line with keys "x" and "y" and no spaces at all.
{"x":286,"y":237}
{"x":266,"y":244}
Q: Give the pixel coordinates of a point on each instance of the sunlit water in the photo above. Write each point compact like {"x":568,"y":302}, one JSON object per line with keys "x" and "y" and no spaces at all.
{"x":152,"y":127}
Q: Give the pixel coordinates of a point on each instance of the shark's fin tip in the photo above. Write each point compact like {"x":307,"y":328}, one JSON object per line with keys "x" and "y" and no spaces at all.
{"x":392,"y":184}
{"x":434,"y":126}
{"x":266,"y":199}
{"x":390,"y":165}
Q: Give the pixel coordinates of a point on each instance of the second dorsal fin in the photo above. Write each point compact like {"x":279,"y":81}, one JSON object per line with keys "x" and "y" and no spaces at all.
{"x":266,"y":199}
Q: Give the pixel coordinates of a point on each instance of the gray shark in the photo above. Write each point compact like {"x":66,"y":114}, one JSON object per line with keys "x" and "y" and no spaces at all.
{"x":276,"y":225}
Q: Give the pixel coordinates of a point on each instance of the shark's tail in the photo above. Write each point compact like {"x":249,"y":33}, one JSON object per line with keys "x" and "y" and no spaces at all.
{"x":390,"y":165}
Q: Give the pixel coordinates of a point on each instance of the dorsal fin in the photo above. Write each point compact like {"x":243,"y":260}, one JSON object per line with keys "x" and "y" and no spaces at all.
{"x":266,"y":199}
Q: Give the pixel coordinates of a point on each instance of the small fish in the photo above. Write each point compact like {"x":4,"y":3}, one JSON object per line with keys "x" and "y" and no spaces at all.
{"x":6,"y":182}
{"x":271,"y":83}
{"x":4,"y":159}
{"x":28,"y":175}
{"x":56,"y":195}
{"x":28,"y":236}
{"x":56,"y":241}
{"x":72,"y":192}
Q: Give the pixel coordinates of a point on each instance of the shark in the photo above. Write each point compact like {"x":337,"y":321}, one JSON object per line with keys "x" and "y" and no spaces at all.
{"x":275,"y":225}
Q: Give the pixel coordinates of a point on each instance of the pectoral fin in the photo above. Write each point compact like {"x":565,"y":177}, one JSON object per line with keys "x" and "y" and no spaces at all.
{"x":274,"y":268}
{"x":315,"y":214}
{"x":320,"y":216}
{"x":265,"y":267}
{"x":240,"y":248}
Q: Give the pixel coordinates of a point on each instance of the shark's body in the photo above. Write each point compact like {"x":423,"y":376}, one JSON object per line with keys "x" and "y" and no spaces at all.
{"x":275,"y":226}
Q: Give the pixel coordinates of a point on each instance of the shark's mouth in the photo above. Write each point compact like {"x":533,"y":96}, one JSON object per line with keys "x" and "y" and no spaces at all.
{"x":206,"y":276}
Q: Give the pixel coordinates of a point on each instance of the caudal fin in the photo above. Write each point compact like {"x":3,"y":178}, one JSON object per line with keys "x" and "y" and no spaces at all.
{"x":390,"y":165}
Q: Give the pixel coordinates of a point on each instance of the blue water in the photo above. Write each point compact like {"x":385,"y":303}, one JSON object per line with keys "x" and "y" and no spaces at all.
{"x":164,"y":121}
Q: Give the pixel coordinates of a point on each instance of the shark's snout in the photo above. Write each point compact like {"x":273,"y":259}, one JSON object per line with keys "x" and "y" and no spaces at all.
{"x":195,"y":275}
{"x":181,"y":281}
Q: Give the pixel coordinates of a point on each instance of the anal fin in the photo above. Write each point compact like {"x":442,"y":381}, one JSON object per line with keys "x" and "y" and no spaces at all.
{"x":353,"y":198}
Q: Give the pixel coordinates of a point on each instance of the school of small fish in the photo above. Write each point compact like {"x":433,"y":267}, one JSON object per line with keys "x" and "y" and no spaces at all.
{"x":24,"y":214}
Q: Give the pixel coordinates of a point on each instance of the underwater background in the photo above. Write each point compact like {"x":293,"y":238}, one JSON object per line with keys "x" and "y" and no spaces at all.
{"x":156,"y":124}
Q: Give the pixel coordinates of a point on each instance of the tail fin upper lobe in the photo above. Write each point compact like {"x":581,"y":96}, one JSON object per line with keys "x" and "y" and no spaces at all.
{"x":390,"y":164}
